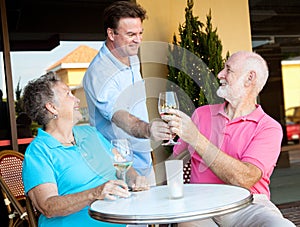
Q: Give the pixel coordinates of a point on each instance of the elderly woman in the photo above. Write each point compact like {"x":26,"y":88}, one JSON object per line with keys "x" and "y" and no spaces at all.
{"x":67,"y":167}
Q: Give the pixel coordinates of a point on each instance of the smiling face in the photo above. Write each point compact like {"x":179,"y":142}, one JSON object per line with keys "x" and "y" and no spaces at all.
{"x":232,"y":80}
{"x":66,"y":104}
{"x":126,"y":39}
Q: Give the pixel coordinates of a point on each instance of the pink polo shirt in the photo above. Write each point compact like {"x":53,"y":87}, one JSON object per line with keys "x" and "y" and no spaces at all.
{"x":254,"y":138}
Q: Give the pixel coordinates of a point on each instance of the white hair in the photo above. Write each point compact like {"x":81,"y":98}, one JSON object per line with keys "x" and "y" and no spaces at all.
{"x":254,"y":62}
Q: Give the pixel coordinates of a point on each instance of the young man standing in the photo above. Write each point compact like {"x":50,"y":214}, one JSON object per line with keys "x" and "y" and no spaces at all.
{"x":115,"y":90}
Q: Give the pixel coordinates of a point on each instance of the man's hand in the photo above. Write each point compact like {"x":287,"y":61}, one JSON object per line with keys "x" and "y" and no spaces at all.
{"x":159,"y":130}
{"x":156,"y":130}
{"x":182,"y":125}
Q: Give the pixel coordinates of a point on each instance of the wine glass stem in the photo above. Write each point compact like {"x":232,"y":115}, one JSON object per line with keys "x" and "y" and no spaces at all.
{"x":123,"y":176}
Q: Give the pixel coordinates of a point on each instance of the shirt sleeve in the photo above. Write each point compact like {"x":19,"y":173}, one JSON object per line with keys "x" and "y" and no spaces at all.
{"x":37,"y":168}
{"x":101,"y":87}
{"x":106,"y":97}
{"x":264,"y":149}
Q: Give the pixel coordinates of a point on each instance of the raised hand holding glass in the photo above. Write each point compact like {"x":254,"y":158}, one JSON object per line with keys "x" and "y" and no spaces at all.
{"x":168,"y":100}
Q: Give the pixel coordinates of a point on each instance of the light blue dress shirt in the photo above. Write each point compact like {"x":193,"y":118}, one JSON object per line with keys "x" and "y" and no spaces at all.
{"x":110,"y":86}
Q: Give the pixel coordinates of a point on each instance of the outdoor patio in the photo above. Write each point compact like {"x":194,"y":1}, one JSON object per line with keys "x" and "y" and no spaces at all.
{"x":285,"y":185}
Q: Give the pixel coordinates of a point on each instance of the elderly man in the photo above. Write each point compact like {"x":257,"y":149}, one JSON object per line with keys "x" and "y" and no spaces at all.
{"x":234,"y":143}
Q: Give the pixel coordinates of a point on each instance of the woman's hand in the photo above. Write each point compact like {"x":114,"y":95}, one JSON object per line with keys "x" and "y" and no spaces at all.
{"x":140,"y":184}
{"x":136,"y":182}
{"x":112,"y":190}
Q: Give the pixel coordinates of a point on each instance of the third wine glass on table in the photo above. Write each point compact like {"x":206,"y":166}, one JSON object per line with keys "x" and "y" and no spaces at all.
{"x":122,"y":156}
{"x":168,"y":100}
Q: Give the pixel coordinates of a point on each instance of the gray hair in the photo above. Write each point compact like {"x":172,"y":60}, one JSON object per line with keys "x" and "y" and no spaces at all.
{"x":37,"y":93}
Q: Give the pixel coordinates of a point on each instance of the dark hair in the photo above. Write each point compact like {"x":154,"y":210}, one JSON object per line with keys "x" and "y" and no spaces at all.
{"x":24,"y":119}
{"x":121,"y":9}
{"x":37,"y":93}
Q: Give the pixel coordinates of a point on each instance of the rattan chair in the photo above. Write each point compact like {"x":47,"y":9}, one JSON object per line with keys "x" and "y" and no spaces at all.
{"x":33,"y":213}
{"x":13,"y":189}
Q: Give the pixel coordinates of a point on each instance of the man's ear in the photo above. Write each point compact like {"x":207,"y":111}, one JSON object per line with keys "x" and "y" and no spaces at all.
{"x":110,"y":34}
{"x":251,"y":77}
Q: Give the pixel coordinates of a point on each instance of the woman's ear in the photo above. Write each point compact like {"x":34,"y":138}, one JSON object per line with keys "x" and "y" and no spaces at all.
{"x":51,"y":108}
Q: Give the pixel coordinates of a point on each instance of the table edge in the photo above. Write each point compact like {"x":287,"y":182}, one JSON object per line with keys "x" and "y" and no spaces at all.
{"x":159,"y":219}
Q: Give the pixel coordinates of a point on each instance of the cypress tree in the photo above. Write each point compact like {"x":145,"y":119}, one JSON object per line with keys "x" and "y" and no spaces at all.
{"x":194,"y":61}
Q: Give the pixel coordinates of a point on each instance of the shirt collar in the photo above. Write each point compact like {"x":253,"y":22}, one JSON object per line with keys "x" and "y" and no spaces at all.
{"x":53,"y":143}
{"x":121,"y":66}
{"x":48,"y":139}
{"x":255,"y":115}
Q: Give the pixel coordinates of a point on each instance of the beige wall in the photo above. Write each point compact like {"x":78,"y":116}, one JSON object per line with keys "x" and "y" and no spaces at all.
{"x":71,"y":76}
{"x":291,"y":81}
{"x":76,"y":76}
{"x":230,"y":17}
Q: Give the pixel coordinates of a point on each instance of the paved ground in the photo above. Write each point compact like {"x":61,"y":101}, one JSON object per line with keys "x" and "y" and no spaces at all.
{"x":285,"y":189}
{"x":291,"y":211}
{"x":285,"y":182}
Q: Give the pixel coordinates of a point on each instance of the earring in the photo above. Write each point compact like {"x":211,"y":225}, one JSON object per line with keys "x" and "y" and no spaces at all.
{"x":55,"y":116}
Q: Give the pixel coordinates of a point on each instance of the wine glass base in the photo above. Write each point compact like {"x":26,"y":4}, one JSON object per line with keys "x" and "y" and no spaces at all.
{"x":170,"y":143}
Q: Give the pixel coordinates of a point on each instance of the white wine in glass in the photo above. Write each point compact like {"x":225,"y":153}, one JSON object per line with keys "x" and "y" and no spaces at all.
{"x":168,"y":100}
{"x":122,"y":156}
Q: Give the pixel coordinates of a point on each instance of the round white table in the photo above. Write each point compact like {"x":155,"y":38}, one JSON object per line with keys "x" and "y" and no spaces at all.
{"x":200,"y":201}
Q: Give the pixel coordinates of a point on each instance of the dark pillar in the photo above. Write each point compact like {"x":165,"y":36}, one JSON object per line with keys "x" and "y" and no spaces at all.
{"x":271,"y":98}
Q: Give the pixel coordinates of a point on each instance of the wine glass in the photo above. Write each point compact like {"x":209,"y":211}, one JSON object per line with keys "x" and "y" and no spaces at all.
{"x":168,"y":100}
{"x":122,"y":156}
